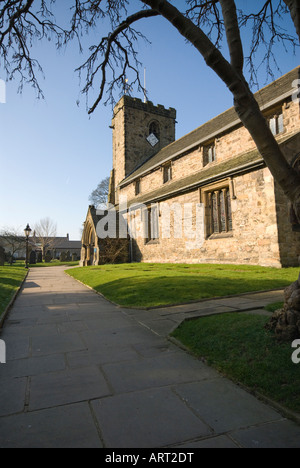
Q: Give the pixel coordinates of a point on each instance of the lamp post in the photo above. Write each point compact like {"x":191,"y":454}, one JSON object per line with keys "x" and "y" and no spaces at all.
{"x":27,"y":231}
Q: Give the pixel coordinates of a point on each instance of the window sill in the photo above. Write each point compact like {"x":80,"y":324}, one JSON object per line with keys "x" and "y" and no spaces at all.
{"x":152,"y":242}
{"x":221,"y":235}
{"x":211,"y":163}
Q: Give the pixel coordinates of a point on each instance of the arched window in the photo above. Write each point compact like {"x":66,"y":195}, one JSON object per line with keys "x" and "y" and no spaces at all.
{"x":154,"y":129}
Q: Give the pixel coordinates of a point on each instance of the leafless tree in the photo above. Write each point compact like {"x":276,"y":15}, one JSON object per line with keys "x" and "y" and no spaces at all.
{"x":13,"y":241}
{"x":206,"y":24}
{"x":114,"y":251}
{"x":203,"y":23}
{"x":99,"y":196}
{"x":44,"y":235}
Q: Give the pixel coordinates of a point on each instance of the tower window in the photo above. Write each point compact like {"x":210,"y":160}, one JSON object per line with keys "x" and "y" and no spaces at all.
{"x":154,"y":129}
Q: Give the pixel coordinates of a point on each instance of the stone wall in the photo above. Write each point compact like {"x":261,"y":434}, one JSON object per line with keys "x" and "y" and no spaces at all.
{"x":130,"y":123}
{"x":289,"y":240}
{"x":254,"y":220}
{"x":254,"y":239}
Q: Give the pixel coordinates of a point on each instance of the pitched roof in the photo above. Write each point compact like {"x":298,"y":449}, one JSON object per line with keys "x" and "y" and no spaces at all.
{"x":58,"y":243}
{"x":66,"y":244}
{"x":244,"y":162}
{"x":266,"y":97}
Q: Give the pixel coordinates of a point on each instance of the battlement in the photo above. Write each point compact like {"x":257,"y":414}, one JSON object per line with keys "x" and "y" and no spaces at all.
{"x":136,"y":103}
{"x":132,"y":124}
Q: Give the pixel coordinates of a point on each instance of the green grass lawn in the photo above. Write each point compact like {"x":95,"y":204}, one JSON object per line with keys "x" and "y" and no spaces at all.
{"x":11,"y":278}
{"x":275,"y":306}
{"x":150,"y":285}
{"x":240,"y":348}
{"x":54,"y":263}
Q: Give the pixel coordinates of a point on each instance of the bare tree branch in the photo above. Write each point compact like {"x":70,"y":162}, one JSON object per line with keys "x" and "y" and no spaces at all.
{"x":266,"y":32}
{"x":45,"y":234}
{"x":20,"y":24}
{"x":120,"y":55}
{"x":99,"y":196}
{"x":207,"y":15}
{"x":16,"y":16}
{"x":116,"y":55}
{"x":12,"y":241}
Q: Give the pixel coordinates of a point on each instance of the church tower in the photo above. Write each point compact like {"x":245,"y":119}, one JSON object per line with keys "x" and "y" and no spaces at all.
{"x":140,"y":130}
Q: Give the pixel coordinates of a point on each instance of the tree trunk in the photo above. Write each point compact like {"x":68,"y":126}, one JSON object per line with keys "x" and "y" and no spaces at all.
{"x":294,"y":7}
{"x":285,"y":322}
{"x":285,"y":175}
{"x":245,"y":104}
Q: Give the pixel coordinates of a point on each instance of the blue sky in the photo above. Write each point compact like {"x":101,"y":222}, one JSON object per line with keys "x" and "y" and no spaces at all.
{"x":52,"y":154}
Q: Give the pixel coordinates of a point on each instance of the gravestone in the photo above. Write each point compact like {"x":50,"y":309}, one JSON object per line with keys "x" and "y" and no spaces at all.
{"x":32,"y":258}
{"x":63,"y":257}
{"x":2,"y":256}
{"x":48,"y":257}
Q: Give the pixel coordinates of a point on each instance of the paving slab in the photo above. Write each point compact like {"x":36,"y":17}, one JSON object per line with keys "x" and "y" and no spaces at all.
{"x":155,"y":372}
{"x":65,"y":387}
{"x":225,"y":406}
{"x":103,"y":355}
{"x":12,"y":395}
{"x":117,"y":337}
{"x":83,"y":372}
{"x":69,"y":426}
{"x":16,"y":348}
{"x":163,"y":320}
{"x":53,"y":343}
{"x":212,"y":442}
{"x":33,"y":366}
{"x":160,"y":326}
{"x":276,"y":434}
{"x":152,"y":418}
{"x":158,"y":348}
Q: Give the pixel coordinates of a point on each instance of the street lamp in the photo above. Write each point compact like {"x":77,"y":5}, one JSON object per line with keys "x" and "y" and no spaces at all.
{"x":27,"y":231}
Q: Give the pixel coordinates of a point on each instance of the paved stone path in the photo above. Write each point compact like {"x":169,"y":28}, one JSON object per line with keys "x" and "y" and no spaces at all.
{"x":82,"y":372}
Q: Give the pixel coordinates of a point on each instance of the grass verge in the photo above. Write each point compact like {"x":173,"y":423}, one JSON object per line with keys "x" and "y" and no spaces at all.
{"x":11,"y":278}
{"x":151,"y":285}
{"x":239,"y":347}
{"x":54,"y":263}
{"x":275,"y":306}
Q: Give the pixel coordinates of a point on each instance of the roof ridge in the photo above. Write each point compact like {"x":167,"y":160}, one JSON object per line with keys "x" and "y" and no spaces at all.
{"x":195,"y":138}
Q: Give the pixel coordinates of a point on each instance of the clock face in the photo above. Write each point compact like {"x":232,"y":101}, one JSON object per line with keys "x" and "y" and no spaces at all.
{"x":152,"y":139}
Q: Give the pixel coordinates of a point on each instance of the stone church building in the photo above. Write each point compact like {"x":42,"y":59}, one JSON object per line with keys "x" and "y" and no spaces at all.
{"x":214,"y":171}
